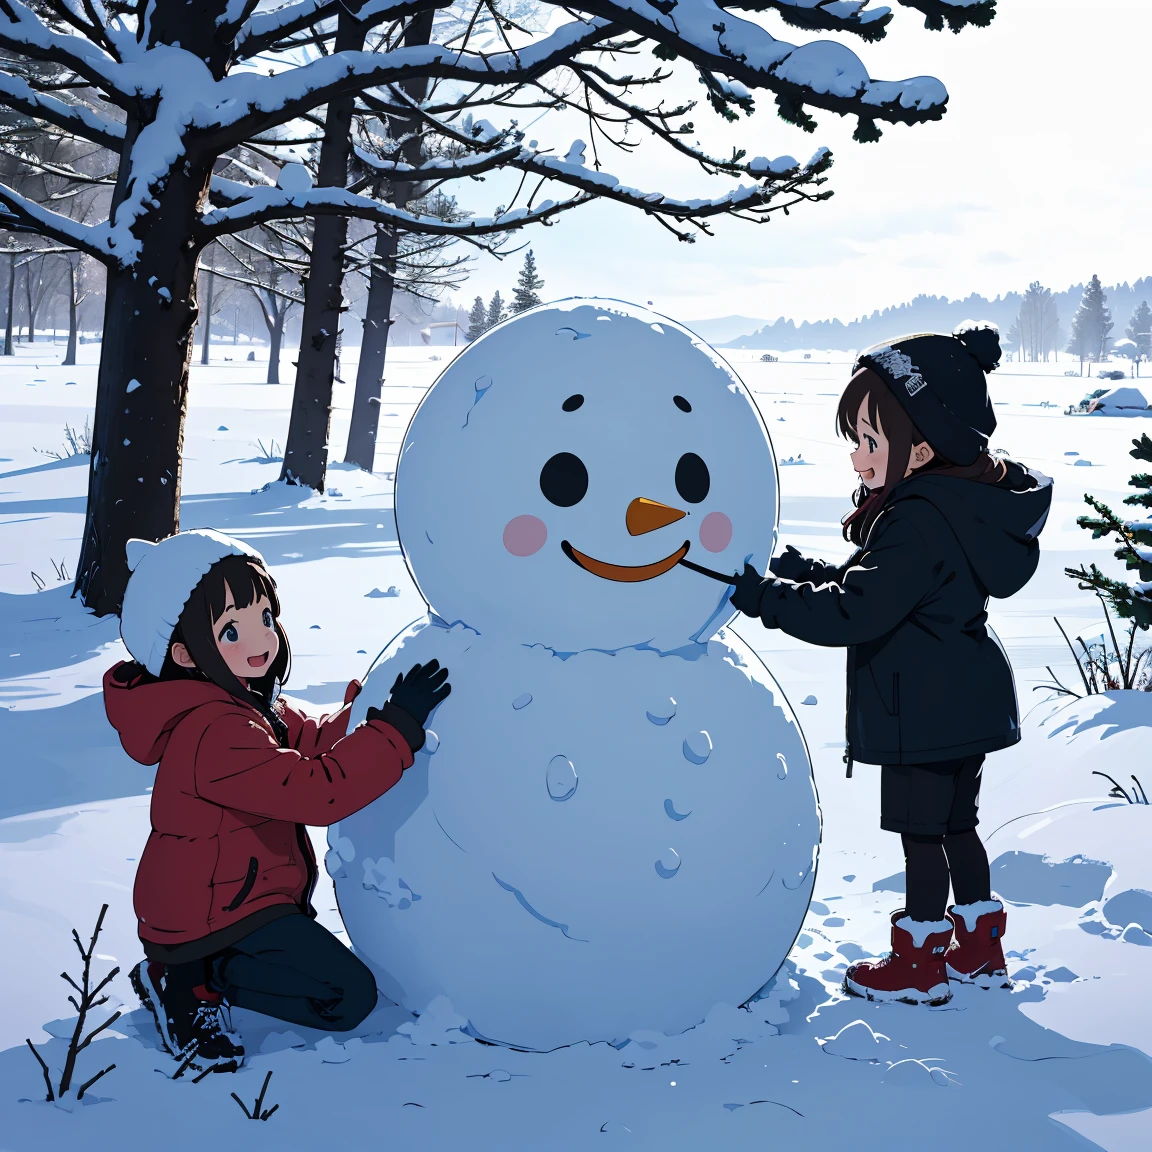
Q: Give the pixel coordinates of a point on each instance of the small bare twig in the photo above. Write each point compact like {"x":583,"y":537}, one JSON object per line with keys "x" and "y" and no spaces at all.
{"x":1056,"y":686}
{"x":44,"y":1069}
{"x":89,"y":998}
{"x":92,"y":1080}
{"x":1117,"y":791}
{"x":256,"y":1113}
{"x":1087,"y":690}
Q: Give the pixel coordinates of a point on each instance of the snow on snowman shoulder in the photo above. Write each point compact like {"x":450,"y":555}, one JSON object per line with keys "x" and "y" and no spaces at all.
{"x":615,"y":827}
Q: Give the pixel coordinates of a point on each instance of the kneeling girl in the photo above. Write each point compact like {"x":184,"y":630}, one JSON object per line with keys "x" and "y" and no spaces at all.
{"x":224,"y":885}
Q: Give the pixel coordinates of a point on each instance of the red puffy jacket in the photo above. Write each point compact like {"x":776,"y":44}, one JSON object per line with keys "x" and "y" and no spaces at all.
{"x":229,"y":804}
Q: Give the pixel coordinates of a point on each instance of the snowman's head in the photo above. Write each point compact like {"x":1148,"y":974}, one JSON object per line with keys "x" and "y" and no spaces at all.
{"x":560,"y":468}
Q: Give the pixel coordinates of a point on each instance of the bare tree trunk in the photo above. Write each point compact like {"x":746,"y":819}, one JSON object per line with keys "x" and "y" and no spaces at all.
{"x":28,"y":297}
{"x":70,"y":351}
{"x":365,"y":423}
{"x":207,"y":320}
{"x":11,"y":287}
{"x":142,"y":390}
{"x":275,"y":340}
{"x":306,"y":450}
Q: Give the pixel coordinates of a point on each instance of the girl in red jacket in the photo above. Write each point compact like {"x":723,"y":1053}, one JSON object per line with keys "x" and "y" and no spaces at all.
{"x":223,"y":889}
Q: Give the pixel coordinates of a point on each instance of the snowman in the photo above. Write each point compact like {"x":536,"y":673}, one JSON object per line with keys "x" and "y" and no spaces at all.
{"x":613,"y":824}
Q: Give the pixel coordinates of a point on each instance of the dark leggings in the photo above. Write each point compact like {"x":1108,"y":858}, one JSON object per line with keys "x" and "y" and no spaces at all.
{"x":292,"y":968}
{"x":930,"y":862}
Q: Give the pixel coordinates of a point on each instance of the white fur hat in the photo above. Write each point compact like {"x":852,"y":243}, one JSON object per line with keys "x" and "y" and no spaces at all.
{"x":163,"y":576}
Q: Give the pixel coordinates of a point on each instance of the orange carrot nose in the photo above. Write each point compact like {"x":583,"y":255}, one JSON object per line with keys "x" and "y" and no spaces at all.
{"x":645,"y":515}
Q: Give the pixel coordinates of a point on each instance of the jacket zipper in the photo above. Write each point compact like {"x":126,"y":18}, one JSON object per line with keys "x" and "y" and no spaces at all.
{"x":311,"y":870}
{"x":249,"y":881}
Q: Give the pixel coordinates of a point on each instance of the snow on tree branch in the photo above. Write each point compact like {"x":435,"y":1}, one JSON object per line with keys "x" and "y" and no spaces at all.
{"x":824,"y":73}
{"x":246,"y":104}
{"x":264,"y":204}
{"x":826,"y":15}
{"x":265,"y":29}
{"x":572,"y":171}
{"x":78,"y":119}
{"x":84,"y":237}
{"x":958,"y":14}
{"x":23,"y":32}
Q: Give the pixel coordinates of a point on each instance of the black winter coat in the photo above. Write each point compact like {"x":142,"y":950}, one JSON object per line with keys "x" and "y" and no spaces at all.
{"x":928,"y":680}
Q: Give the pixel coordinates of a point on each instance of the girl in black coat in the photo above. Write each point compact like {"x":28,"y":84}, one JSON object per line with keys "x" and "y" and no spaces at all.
{"x":939,"y":526}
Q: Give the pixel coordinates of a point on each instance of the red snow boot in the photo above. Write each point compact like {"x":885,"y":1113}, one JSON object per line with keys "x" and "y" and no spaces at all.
{"x":913,"y":972}
{"x":976,"y":955}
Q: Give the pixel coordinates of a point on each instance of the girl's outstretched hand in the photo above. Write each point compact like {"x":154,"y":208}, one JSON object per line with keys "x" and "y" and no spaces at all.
{"x":420,"y":689}
{"x":789,"y":565}
{"x":750,"y":587}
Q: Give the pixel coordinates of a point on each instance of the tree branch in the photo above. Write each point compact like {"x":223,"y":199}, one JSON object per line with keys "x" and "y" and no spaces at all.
{"x":265,"y":30}
{"x":278,"y":99}
{"x":53,"y":224}
{"x":24,"y":33}
{"x":80,"y":120}
{"x":823,"y":74}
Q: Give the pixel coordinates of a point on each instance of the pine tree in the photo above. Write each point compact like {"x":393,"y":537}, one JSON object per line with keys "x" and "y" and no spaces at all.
{"x":1132,"y":602}
{"x":1012,"y":340}
{"x":524,"y":296}
{"x":1038,"y":323}
{"x":1091,"y":324}
{"x":477,"y":319}
{"x":496,"y":310}
{"x":1139,"y":330}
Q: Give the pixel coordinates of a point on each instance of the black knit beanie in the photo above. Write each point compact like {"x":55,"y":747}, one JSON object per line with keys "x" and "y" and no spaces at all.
{"x":940,"y":382}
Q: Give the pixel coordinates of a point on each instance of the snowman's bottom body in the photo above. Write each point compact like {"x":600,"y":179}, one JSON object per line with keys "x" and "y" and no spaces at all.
{"x":588,"y":845}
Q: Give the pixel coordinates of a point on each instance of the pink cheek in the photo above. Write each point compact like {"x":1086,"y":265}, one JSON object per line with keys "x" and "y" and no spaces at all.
{"x":716,"y":532}
{"x":525,"y":535}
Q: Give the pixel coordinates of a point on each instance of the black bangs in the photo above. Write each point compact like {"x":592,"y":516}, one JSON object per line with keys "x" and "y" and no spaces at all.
{"x":245,"y":579}
{"x":239,"y":581}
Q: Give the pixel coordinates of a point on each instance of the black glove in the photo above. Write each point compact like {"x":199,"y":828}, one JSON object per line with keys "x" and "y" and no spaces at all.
{"x":412,"y":698}
{"x":420,"y":689}
{"x":750,"y":587}
{"x":789,"y":565}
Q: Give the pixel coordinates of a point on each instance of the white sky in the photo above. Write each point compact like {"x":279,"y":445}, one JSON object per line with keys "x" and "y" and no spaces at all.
{"x":1040,"y":169}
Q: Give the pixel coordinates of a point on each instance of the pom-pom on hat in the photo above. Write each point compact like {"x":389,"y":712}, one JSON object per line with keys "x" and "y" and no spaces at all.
{"x":940,"y":382}
{"x":163,"y":576}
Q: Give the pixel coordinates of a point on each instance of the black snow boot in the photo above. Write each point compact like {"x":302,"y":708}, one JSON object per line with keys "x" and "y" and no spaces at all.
{"x":192,"y":1021}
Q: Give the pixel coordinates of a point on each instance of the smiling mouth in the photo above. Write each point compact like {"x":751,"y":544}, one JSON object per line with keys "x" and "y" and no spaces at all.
{"x":258,"y":661}
{"x":624,"y":572}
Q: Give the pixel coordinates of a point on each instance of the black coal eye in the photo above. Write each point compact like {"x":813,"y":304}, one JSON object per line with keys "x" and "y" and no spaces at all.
{"x":681,"y":403}
{"x":692,"y":479}
{"x":564,"y":480}
{"x":572,"y":403}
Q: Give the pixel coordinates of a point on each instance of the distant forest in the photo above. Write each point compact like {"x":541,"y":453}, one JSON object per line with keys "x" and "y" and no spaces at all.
{"x":939,"y":314}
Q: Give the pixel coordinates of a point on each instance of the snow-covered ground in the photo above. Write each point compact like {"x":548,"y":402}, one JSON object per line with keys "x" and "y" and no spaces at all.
{"x":1061,"y":1061}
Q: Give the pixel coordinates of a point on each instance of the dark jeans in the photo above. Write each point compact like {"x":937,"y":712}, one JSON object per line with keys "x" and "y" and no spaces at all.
{"x":293,"y":969}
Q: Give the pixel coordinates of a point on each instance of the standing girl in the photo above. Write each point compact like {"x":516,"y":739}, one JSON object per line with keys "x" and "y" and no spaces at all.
{"x":223,"y":889}
{"x":939,"y":526}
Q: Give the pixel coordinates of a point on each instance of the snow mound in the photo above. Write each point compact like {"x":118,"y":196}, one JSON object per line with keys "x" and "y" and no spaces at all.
{"x":857,"y":1041}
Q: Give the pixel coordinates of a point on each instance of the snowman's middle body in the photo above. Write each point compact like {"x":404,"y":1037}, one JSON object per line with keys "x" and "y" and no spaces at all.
{"x":589,"y":845}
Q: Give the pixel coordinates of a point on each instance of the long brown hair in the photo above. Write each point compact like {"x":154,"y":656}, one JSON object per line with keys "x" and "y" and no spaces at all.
{"x":885,"y":413}
{"x":247,"y":581}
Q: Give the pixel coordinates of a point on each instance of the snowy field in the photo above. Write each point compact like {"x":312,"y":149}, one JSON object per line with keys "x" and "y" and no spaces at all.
{"x":1060,"y":1061}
